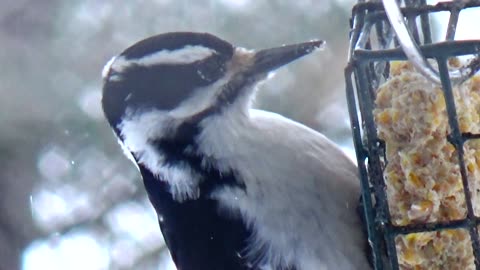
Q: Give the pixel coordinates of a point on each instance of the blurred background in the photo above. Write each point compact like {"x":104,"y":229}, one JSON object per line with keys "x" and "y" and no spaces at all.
{"x":69,"y":199}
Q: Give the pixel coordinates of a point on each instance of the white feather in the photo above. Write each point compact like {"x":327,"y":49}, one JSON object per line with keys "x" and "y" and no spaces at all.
{"x":185,"y":55}
{"x":137,"y":130}
{"x":300,"y":190}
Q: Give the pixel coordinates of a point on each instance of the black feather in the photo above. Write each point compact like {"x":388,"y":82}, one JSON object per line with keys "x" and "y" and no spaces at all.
{"x":198,"y":235}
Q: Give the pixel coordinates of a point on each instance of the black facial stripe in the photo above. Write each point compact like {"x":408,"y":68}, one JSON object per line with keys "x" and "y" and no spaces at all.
{"x":162,"y":86}
{"x":233,"y":88}
{"x":229,"y":94}
{"x":212,"y":68}
{"x":181,"y":147}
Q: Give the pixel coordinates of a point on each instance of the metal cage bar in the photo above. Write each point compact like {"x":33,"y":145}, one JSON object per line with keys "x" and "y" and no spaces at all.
{"x":366,"y":70}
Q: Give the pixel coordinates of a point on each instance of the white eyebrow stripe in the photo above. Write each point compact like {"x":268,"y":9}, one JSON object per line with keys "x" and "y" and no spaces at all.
{"x":107,"y":67}
{"x":185,"y":55}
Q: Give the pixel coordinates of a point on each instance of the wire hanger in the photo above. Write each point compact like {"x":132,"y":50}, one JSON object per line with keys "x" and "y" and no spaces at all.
{"x":412,"y":50}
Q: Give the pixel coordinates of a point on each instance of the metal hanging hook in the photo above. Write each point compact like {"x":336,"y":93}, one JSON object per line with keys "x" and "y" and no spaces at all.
{"x":412,"y":50}
{"x":405,"y":39}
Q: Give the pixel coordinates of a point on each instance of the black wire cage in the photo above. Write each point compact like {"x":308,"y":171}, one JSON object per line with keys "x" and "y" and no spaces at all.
{"x":373,"y":48}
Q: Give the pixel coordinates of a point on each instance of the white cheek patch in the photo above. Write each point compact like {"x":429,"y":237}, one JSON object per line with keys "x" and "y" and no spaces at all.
{"x":138,"y":132}
{"x":185,"y":55}
{"x":201,"y":99}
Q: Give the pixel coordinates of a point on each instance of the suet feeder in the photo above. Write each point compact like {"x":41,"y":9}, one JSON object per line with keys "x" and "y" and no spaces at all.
{"x":414,"y":104}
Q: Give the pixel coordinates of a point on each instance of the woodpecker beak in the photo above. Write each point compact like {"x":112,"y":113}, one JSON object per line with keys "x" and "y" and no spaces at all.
{"x":270,"y":59}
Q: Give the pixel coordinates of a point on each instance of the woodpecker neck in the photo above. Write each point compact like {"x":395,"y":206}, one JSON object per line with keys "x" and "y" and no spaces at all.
{"x":233,"y":100}
{"x":165,"y":144}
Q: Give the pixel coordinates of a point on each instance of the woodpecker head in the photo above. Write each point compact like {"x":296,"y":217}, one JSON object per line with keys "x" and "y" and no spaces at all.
{"x":187,"y":76}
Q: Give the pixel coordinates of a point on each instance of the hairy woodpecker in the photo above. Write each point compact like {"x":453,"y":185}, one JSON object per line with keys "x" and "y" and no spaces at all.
{"x":234,"y":188}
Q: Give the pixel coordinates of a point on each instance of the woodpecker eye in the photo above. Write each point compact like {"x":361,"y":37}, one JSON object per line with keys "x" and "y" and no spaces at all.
{"x":212,"y":68}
